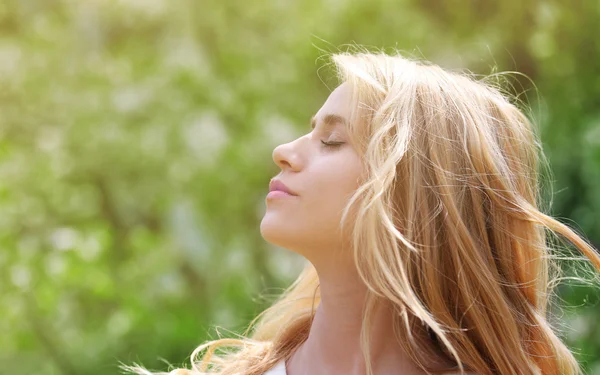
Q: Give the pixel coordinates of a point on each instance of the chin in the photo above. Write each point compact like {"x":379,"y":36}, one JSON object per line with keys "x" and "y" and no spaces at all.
{"x":271,"y":230}
{"x":278,"y":233}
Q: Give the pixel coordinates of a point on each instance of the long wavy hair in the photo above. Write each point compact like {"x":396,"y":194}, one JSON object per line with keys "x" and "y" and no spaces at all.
{"x":447,"y":227}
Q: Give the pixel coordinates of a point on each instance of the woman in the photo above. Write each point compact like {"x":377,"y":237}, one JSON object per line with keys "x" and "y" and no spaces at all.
{"x":414,"y":199}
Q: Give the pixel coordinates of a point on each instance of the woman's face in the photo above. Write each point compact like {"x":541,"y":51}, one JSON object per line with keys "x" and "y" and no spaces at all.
{"x":323,"y":177}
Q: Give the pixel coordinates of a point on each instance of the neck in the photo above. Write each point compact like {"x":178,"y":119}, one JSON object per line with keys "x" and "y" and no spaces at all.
{"x":333,"y":344}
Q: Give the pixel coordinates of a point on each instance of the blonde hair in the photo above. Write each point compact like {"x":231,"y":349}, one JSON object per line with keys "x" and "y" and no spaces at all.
{"x":447,"y":227}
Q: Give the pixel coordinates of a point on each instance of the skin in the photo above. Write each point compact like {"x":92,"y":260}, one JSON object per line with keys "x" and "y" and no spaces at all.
{"x":324,"y":178}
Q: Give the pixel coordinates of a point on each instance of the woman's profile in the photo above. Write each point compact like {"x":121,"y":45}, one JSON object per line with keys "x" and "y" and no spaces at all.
{"x":414,"y":197}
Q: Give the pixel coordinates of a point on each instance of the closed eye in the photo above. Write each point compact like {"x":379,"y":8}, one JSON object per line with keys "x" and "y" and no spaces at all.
{"x":332,"y":144}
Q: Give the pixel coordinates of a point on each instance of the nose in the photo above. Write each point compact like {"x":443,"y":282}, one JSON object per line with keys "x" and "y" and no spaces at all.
{"x":286,"y":157}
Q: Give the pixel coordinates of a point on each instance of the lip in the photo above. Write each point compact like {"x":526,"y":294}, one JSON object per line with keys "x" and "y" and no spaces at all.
{"x":277,"y":186}
{"x":276,"y":194}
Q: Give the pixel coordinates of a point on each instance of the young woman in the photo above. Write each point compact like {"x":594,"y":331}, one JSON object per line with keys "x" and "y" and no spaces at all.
{"x":414,"y":198}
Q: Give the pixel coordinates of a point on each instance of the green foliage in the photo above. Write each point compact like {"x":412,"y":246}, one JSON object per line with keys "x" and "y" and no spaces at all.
{"x":135,"y":153}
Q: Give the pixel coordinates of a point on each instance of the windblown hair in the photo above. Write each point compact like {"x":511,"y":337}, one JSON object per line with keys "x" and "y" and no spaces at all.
{"x":447,"y":227}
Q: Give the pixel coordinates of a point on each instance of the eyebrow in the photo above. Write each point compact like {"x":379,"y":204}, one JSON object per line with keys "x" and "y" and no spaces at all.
{"x":329,"y":120}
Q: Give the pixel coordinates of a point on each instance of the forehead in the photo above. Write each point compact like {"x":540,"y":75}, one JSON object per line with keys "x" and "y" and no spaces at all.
{"x":336,"y":109}
{"x":329,"y":119}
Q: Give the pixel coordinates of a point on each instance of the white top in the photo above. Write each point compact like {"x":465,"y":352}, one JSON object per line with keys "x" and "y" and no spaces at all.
{"x":278,"y":369}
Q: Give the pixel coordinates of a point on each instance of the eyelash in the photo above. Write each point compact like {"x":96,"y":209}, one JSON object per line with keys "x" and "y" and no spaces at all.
{"x":332,"y":144}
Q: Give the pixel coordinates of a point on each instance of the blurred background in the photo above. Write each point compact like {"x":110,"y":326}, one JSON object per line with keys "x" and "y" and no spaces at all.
{"x":135,"y":155}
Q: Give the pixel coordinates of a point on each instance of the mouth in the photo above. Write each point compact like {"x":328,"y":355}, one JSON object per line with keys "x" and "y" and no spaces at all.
{"x":276,"y":185}
{"x":278,"y":194}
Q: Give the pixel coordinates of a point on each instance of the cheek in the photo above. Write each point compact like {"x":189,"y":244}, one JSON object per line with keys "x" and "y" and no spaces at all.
{"x":334,"y":187}
{"x":331,"y":189}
